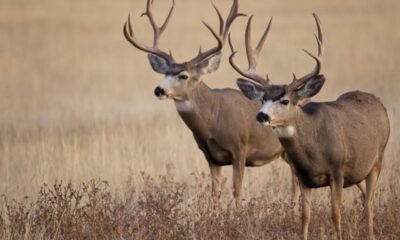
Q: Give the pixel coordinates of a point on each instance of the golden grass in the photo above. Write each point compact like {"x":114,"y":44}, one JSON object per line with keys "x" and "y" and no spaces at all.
{"x":76,"y":99}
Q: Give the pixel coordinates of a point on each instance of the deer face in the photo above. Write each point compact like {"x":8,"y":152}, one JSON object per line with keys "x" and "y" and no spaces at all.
{"x":280,"y":101}
{"x":276,"y":109}
{"x":181,"y":79}
{"x":276,"y":113}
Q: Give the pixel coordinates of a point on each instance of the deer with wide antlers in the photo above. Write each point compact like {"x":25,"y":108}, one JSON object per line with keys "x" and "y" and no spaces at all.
{"x":336,"y":144}
{"x":225,"y":135}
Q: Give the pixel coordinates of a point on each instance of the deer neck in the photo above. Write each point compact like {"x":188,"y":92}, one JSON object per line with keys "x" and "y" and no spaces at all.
{"x":196,"y":110}
{"x":298,"y":137}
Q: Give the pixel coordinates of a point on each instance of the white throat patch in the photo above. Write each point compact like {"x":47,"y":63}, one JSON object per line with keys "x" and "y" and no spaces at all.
{"x":285,"y":132}
{"x":183,"y":106}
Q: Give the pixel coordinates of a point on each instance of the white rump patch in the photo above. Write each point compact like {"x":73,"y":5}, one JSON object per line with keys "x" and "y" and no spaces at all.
{"x":285,"y":132}
{"x":183,"y":106}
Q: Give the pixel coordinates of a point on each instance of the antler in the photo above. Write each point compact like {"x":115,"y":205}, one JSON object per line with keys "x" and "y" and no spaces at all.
{"x":223,"y":32}
{"x":158,"y":31}
{"x":301,"y":81}
{"x":252,"y":55}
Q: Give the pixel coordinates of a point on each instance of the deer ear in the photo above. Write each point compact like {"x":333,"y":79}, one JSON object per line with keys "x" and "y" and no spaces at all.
{"x":209,"y":65}
{"x":250,"y":90}
{"x":311,"y":88}
{"x":159,"y":64}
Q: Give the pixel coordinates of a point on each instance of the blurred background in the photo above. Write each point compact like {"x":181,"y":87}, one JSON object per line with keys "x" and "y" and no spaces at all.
{"x":76,"y":99}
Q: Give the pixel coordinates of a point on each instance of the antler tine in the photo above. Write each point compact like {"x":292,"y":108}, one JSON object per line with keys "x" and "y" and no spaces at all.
{"x":233,"y":14}
{"x":318,"y":59}
{"x":318,"y":21}
{"x":251,"y":58}
{"x":129,"y":34}
{"x":263,"y":38}
{"x":294,"y":77}
{"x":218,"y":37}
{"x":221,"y":20}
{"x":164,"y":25}
{"x":157,"y":30}
{"x":200,"y":50}
{"x":252,"y":55}
{"x":224,"y":27}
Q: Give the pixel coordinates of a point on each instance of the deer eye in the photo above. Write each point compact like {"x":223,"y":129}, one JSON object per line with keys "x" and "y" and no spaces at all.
{"x":284,"y":102}
{"x":264,"y":99}
{"x":183,"y":77}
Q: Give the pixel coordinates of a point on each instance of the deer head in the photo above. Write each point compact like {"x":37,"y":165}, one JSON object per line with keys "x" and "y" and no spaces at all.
{"x":279,"y":101}
{"x":180,"y":78}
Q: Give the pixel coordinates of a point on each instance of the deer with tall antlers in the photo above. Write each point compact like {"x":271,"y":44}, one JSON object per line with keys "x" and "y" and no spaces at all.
{"x":225,"y":135}
{"x":336,"y":144}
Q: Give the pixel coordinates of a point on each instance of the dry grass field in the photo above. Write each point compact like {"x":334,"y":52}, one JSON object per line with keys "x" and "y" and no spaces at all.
{"x":77,"y":104}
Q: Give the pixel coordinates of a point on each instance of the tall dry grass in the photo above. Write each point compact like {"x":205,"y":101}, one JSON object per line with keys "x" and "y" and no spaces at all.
{"x":76,"y":104}
{"x":166,"y":209}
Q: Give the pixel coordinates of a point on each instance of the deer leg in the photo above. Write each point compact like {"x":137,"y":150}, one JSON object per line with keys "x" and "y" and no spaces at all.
{"x":371,"y":186}
{"x":336,"y":185}
{"x":215,"y":171}
{"x":362,"y":188}
{"x":295,"y":180}
{"x":239,"y":164}
{"x":295,"y":186}
{"x":306,"y":209}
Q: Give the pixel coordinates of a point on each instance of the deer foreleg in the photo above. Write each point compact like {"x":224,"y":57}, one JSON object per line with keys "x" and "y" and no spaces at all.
{"x":295,"y":186}
{"x":362,"y":188}
{"x":336,"y":185}
{"x":306,"y":209}
{"x":215,"y":181}
{"x":239,"y":163}
{"x":295,"y":180}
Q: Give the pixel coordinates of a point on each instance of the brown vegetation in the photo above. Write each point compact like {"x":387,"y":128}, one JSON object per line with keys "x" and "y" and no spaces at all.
{"x":166,"y":209}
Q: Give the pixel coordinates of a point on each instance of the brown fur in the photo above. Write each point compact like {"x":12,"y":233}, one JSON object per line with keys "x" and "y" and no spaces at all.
{"x":337,"y":144}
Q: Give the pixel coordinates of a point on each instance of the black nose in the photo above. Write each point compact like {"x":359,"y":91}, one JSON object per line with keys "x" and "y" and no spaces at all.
{"x":159,"y":92}
{"x":262,"y":117}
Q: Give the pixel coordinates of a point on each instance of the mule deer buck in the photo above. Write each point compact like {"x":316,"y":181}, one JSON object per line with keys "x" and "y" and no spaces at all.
{"x":225,"y":135}
{"x":337,"y":144}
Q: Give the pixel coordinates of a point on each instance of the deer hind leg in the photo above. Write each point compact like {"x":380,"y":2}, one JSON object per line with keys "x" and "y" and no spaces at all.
{"x":371,"y":181}
{"x":239,"y":164}
{"x":306,"y":209}
{"x":336,"y":200}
